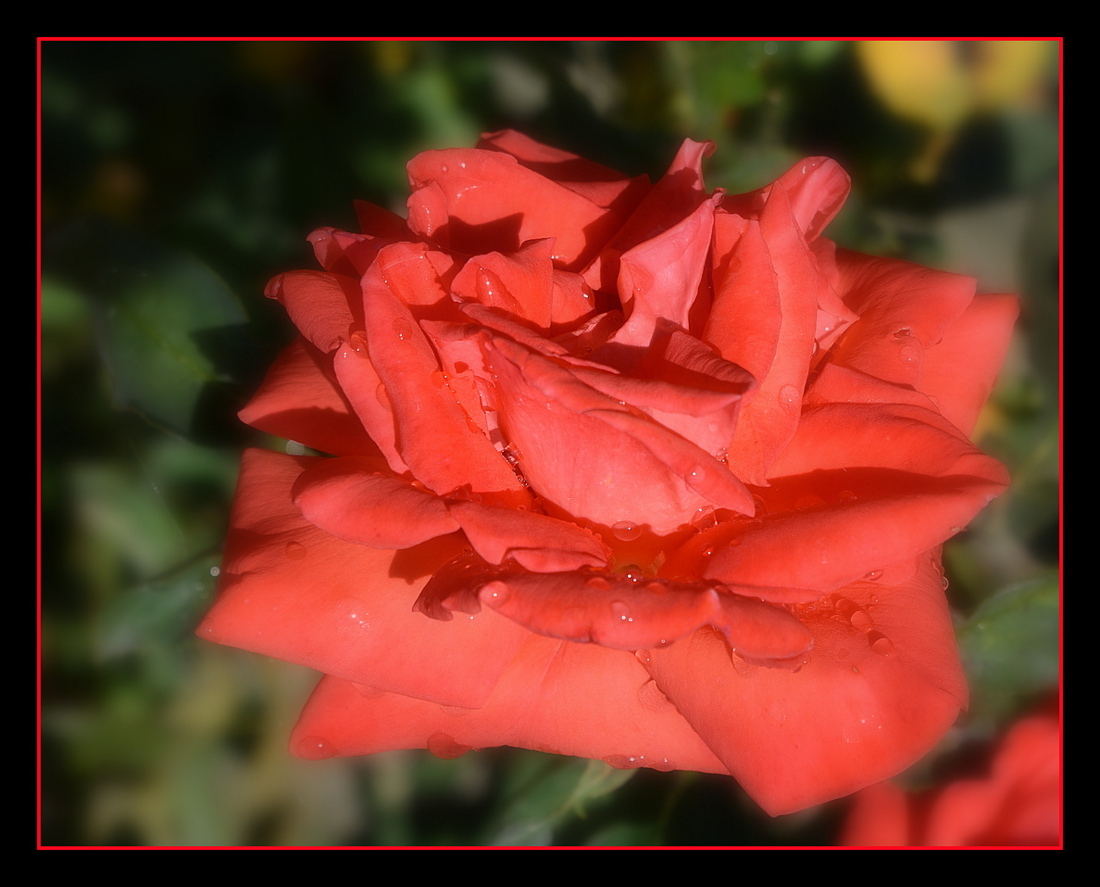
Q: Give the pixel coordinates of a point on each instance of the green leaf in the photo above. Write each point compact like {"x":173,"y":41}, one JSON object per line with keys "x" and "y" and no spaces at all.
{"x":1010,"y":650}
{"x":545,"y":792}
{"x":171,"y":332}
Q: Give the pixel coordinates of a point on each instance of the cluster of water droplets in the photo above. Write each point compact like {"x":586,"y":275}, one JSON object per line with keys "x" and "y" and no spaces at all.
{"x":847,"y":612}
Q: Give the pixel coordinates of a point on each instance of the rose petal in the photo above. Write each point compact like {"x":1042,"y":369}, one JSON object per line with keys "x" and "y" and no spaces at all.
{"x":520,"y":284}
{"x":544,"y":701}
{"x":764,"y":319}
{"x":477,"y":201}
{"x":593,"y":457}
{"x":627,"y":613}
{"x":435,"y":436}
{"x":880,"y":687}
{"x":324,"y":307}
{"x":903,"y":310}
{"x":357,"y":500}
{"x":959,"y":371}
{"x":889,"y":482}
{"x":290,"y":590}
{"x":599,"y":184}
{"x":300,"y":401}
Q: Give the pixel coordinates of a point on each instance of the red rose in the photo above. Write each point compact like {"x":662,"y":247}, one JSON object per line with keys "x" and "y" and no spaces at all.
{"x":1017,"y":803}
{"x":625,"y":471}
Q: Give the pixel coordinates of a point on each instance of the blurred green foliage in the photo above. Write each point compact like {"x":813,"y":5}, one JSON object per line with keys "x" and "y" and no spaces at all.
{"x":178,"y":176}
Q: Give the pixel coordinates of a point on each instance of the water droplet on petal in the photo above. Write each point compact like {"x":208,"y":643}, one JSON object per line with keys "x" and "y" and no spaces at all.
{"x":862,"y":621}
{"x":873,"y":575}
{"x":908,"y":353}
{"x":621,"y":611}
{"x":357,"y":342}
{"x":626,"y":531}
{"x":402,"y":329}
{"x":598,"y":583}
{"x":881,"y":644}
{"x":903,"y":333}
{"x":847,"y":496}
{"x":493,"y":593}
{"x":625,"y":762}
{"x":295,"y":551}
{"x":314,"y":748}
{"x":788,"y":395}
{"x":443,"y":746}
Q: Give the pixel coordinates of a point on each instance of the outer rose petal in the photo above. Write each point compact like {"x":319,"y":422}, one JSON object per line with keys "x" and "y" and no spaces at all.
{"x":544,"y":701}
{"x":959,"y":371}
{"x":880,"y":687}
{"x":300,"y":401}
{"x":292,"y":591}
{"x":859,"y":488}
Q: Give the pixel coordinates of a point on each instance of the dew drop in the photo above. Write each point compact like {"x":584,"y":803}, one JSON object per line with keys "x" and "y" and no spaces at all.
{"x":723,"y":455}
{"x":944,"y":582}
{"x":357,"y":342}
{"x":598,"y":583}
{"x":462,"y":165}
{"x":903,"y":333}
{"x":847,"y":496}
{"x":314,"y":748}
{"x":908,"y":353}
{"x":704,"y":518}
{"x":493,"y":593}
{"x":873,"y":575}
{"x":881,"y":644}
{"x":625,"y":762}
{"x":788,"y":395}
{"x":215,"y":571}
{"x":621,"y":611}
{"x":626,"y":531}
{"x":402,"y":329}
{"x":443,"y":746}
{"x":444,"y":167}
{"x":862,"y":621}
{"x":295,"y":551}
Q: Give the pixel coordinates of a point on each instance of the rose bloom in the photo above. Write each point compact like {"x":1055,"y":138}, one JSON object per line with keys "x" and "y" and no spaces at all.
{"x":1017,"y":802}
{"x":621,"y":470}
